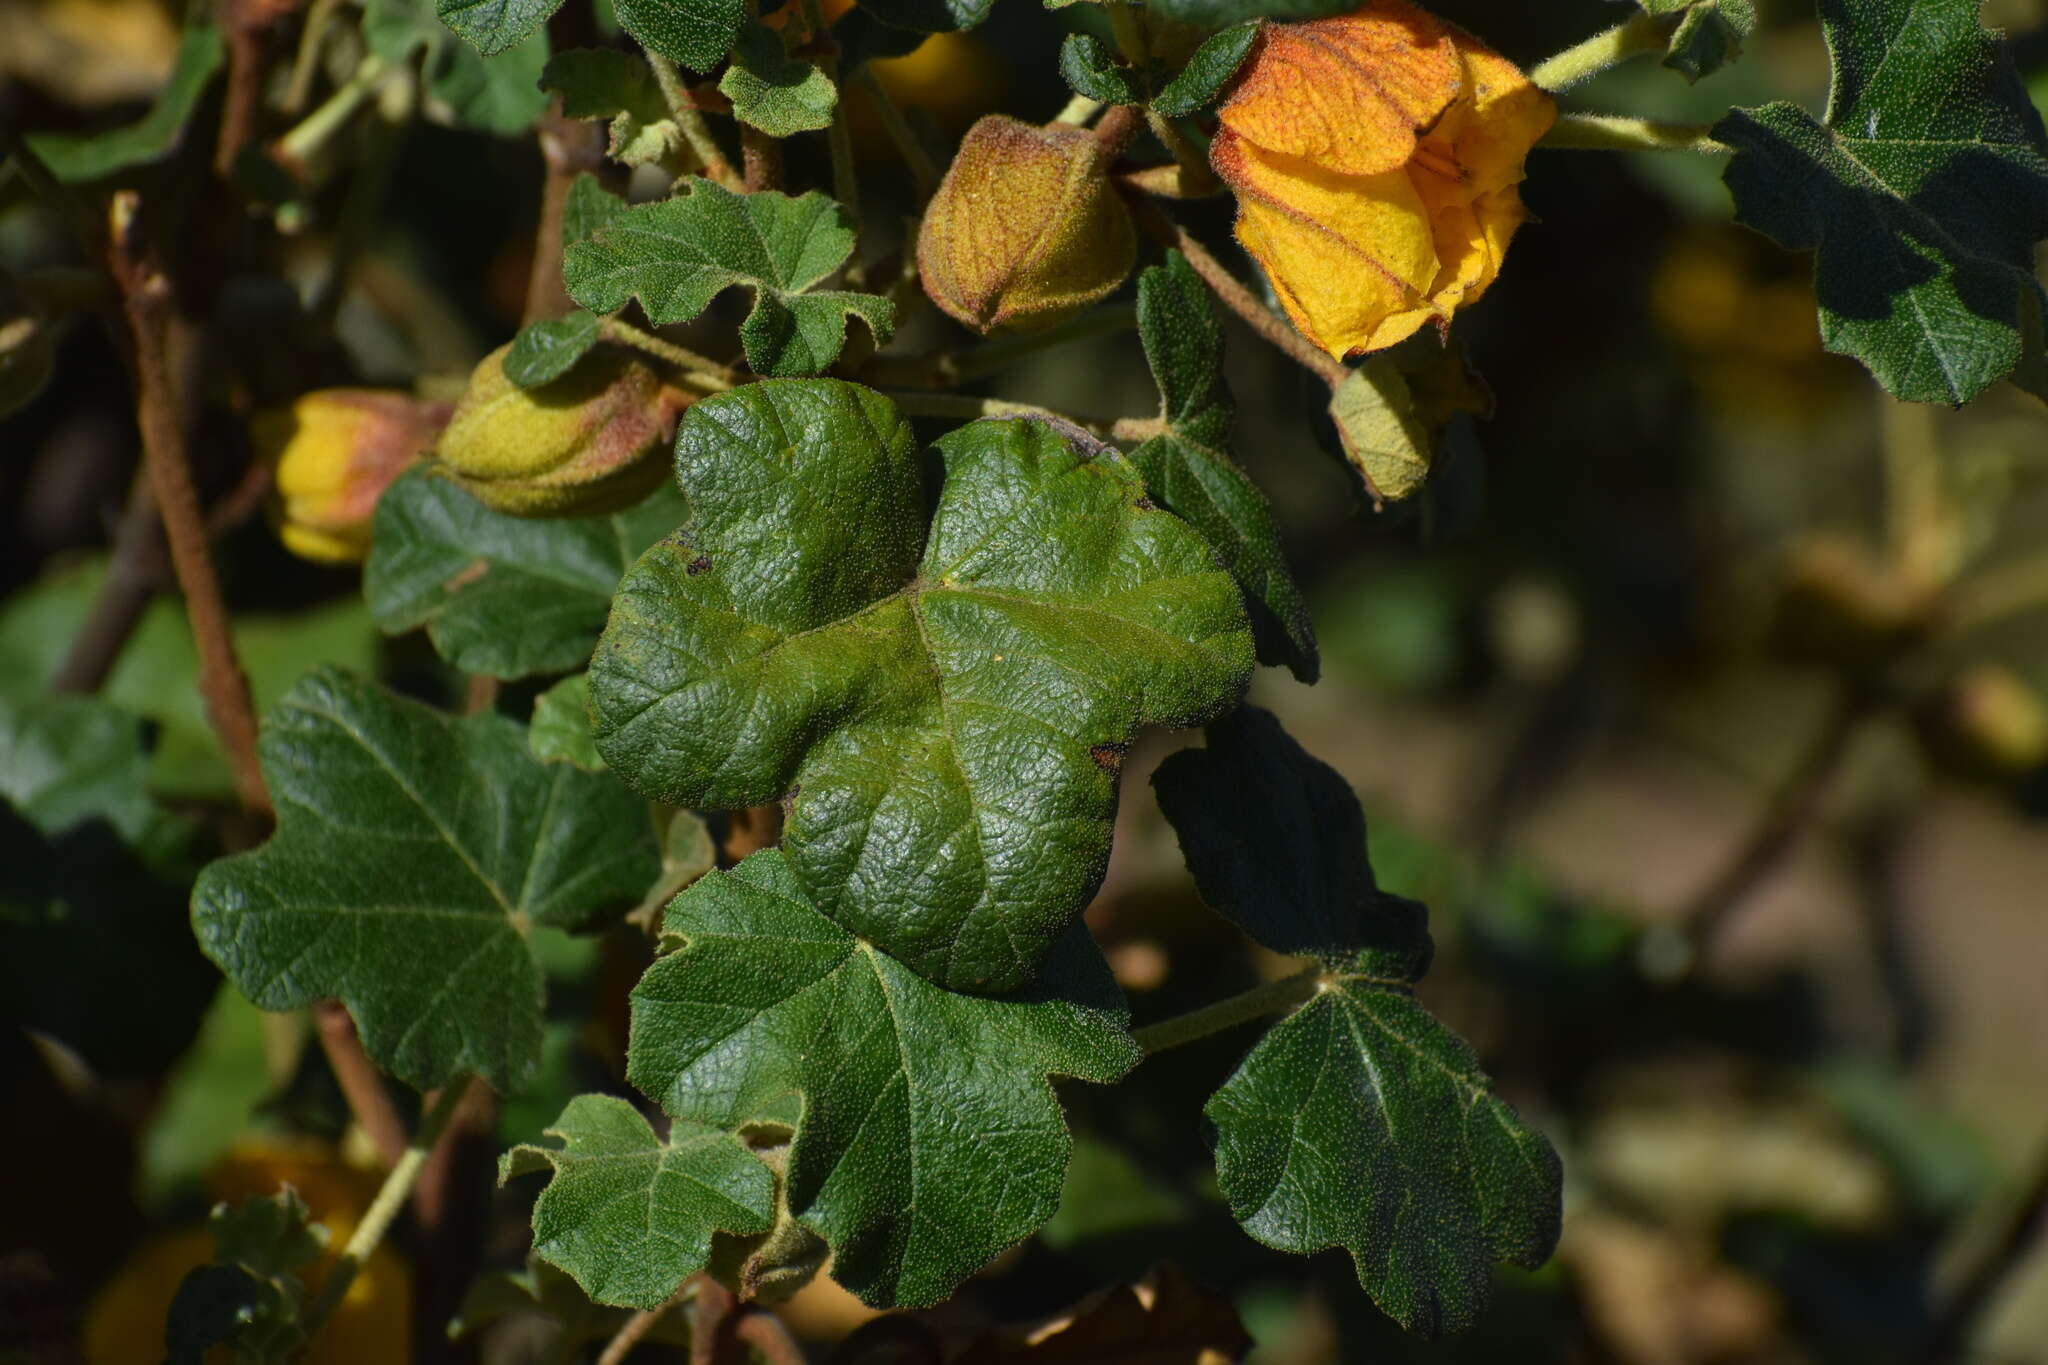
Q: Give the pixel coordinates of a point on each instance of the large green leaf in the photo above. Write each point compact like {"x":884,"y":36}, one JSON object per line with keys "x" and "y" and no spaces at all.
{"x":74,"y":157}
{"x":629,"y":1215}
{"x":927,"y":1137}
{"x":679,"y":254}
{"x":1188,"y":471}
{"x":413,"y":853}
{"x":1923,"y":193}
{"x":1359,"y":1120}
{"x":697,"y":33}
{"x":943,"y":702}
{"x":498,"y":595}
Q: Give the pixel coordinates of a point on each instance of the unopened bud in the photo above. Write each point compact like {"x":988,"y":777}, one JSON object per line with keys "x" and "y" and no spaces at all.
{"x":334,"y":452}
{"x":1025,"y":229}
{"x":592,"y":442}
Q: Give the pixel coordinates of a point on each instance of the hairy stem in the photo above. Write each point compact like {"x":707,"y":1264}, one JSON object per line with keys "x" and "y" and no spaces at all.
{"x":690,"y":120}
{"x":146,"y":295}
{"x":1232,"y":293}
{"x":1633,"y":38}
{"x":1256,"y":1003}
{"x":1619,"y":133}
{"x":635,"y":1329}
{"x":968,"y":408}
{"x":701,"y":371}
{"x":391,"y":1197}
{"x":1196,"y":180}
{"x":771,"y":1340}
{"x":1078,"y":111}
{"x":945,"y":369}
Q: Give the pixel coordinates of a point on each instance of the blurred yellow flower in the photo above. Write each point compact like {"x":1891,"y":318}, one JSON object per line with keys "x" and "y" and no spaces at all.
{"x":335,"y":451}
{"x":1375,"y":156}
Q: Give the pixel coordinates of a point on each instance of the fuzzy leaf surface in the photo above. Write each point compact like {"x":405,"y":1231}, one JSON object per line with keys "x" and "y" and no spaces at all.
{"x":697,"y":33}
{"x":494,"y":26}
{"x":434,"y":965}
{"x":605,"y":83}
{"x":1209,"y":69}
{"x":544,"y":351}
{"x":1922,"y":194}
{"x":943,"y":701}
{"x":679,"y":254}
{"x":1358,"y":1120}
{"x":928,"y":1138}
{"x":499,"y":595}
{"x":629,"y":1216}
{"x":1188,"y":471}
{"x":1092,"y":72}
{"x":1710,"y":33}
{"x":774,"y":91}
{"x":560,"y":732}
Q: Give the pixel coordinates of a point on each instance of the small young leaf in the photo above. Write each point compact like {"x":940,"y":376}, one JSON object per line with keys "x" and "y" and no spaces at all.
{"x":1922,"y":195}
{"x":498,"y":595}
{"x":545,"y":351}
{"x":75,"y":157}
{"x":681,"y":253}
{"x":1708,"y":37}
{"x":927,"y":1138}
{"x":494,"y":26}
{"x":560,"y":732}
{"x":697,"y":33}
{"x":1359,"y":1120}
{"x":773,"y":91}
{"x":617,"y":86}
{"x":268,"y":1234}
{"x":434,"y":965}
{"x":1383,"y":435}
{"x":1187,"y":471}
{"x":1207,"y":72}
{"x":950,"y":700}
{"x":630,"y":1216}
{"x":1092,"y":72}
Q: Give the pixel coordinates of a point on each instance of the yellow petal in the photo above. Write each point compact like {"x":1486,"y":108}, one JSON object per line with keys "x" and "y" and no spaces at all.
{"x":1349,"y":92}
{"x":1343,"y":252}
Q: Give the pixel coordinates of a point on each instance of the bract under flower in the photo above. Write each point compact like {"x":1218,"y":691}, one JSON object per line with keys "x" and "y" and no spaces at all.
{"x":1375,"y":156}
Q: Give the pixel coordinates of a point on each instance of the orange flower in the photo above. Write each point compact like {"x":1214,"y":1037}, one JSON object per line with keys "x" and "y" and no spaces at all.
{"x":335,"y":451}
{"x":1375,"y":157}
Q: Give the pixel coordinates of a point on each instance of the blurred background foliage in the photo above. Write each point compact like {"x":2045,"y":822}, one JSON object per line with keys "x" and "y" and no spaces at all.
{"x":1701,"y":698}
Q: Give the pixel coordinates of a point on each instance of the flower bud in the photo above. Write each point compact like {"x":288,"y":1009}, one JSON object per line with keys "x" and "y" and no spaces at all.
{"x":334,"y":452}
{"x":592,"y":442}
{"x":1988,"y":724}
{"x":1025,"y":229}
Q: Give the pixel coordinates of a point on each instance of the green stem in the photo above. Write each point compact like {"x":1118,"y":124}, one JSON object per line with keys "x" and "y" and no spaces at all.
{"x":1196,"y":179}
{"x":312,"y":132}
{"x":391,"y":1197}
{"x":922,"y":167}
{"x":1618,"y":133}
{"x":306,"y":65}
{"x":1643,"y":34}
{"x":917,"y":404}
{"x":1078,"y":111}
{"x":1256,"y":1003}
{"x":701,"y":370}
{"x":690,"y":121}
{"x":839,"y":138}
{"x":944,"y":369}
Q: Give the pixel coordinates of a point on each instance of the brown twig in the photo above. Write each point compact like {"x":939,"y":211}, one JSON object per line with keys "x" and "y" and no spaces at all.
{"x":249,"y":25}
{"x":133,"y":573}
{"x":146,"y":295}
{"x":1231,"y":292}
{"x":715,"y":1304}
{"x":636,"y":1328}
{"x":761,"y":157}
{"x":452,"y":1213}
{"x":568,"y":147}
{"x":360,"y":1083}
{"x":1794,"y":807}
{"x":767,"y":1334}
{"x":1947,"y":1343}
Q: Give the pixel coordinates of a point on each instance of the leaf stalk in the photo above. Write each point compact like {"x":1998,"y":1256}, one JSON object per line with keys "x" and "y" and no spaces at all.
{"x":1620,"y":133}
{"x":1626,"y":41}
{"x":1272,"y":998}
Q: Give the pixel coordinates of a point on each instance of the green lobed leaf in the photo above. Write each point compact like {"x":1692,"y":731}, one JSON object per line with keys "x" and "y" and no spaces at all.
{"x":928,"y":1139}
{"x":1208,"y":70}
{"x":66,"y":759}
{"x":679,"y":254}
{"x":630,"y":1216}
{"x":500,"y":595}
{"x":929,"y":16}
{"x":606,"y":83}
{"x":76,"y":157}
{"x":588,"y":209}
{"x":1922,"y":194}
{"x":544,"y":351}
{"x":494,"y":26}
{"x":560,"y":732}
{"x":697,"y":33}
{"x":434,"y":965}
{"x":1188,"y":472}
{"x":944,"y":702}
{"x":1090,"y":69}
{"x":1709,"y":36}
{"x":1359,"y":1120}
{"x":774,"y":92}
